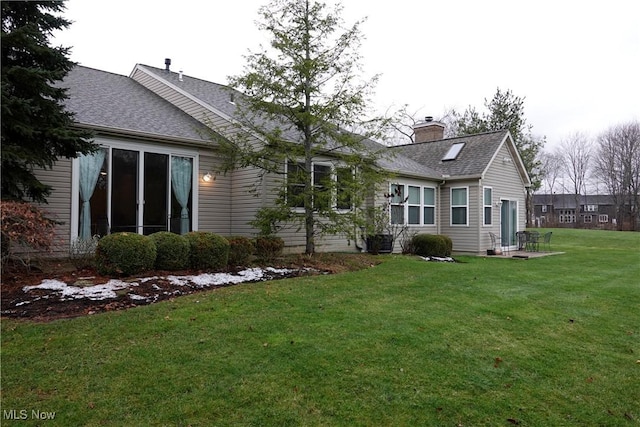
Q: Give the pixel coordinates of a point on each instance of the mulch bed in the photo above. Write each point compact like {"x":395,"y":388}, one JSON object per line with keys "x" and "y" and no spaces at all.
{"x":19,"y":301}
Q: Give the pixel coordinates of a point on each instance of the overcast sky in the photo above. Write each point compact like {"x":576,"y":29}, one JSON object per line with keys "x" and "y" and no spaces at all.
{"x":576,"y":63}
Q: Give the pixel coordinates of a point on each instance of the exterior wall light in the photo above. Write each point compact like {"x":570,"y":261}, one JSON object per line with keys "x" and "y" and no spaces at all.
{"x":207,"y":177}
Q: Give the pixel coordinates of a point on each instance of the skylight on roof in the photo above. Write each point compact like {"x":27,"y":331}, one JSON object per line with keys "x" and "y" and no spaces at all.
{"x":453,"y":152}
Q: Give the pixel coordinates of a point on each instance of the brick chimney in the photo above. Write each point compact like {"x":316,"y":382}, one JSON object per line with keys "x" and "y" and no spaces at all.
{"x":428,"y":131}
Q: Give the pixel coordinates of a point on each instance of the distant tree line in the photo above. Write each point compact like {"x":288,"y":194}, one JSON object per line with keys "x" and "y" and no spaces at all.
{"x":607,"y":164}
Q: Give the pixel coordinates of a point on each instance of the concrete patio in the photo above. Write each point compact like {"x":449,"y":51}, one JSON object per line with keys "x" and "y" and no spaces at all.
{"x":520,"y":254}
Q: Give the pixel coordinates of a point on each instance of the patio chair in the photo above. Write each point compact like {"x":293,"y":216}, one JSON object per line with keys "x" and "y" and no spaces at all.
{"x":546,"y":241}
{"x":522,"y":240}
{"x":533,"y":241}
{"x":494,"y":242}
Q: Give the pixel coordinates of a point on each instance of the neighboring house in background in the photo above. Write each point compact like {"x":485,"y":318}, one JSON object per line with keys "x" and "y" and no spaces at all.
{"x":155,"y":169}
{"x":560,"y":210}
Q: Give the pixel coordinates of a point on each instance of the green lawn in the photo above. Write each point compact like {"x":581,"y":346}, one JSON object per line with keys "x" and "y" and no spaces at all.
{"x":552,"y":341}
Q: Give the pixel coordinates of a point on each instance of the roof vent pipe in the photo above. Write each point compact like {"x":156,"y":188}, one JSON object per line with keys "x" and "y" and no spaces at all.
{"x":167,"y":64}
{"x":180,"y":75}
{"x":428,"y":119}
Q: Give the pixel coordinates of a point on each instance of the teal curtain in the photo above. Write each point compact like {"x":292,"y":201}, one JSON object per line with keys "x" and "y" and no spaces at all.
{"x":90,"y":166}
{"x":181,"y":173}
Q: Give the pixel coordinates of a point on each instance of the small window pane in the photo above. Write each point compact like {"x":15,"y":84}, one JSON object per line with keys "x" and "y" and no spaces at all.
{"x":459,"y":216}
{"x":429,"y":196}
{"x":487,"y":215}
{"x":397,"y":214}
{"x":322,"y":187}
{"x":459,"y":196}
{"x":397,"y":193}
{"x":429,"y":216}
{"x":414,"y":195}
{"x":487,"y":196}
{"x":344,"y":185}
{"x":295,"y":184}
{"x":414,"y":214}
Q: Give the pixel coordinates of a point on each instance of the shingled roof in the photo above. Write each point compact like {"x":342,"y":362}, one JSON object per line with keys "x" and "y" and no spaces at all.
{"x":117,"y":103}
{"x":472,"y":161}
{"x":220,"y":98}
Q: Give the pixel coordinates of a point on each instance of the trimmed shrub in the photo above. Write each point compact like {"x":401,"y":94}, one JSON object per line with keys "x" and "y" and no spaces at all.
{"x":173,"y":251}
{"x":432,"y":245}
{"x":240,"y":250}
{"x":448,"y":244}
{"x":125,"y":254}
{"x":269,"y":247}
{"x":208,"y":251}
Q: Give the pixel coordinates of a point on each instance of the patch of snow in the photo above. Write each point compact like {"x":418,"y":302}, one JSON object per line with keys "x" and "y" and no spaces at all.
{"x":95,"y":292}
{"x":438,"y":259}
{"x":109,"y":290}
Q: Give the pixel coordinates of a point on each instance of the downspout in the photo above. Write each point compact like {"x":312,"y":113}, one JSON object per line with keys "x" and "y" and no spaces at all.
{"x":480,"y":204}
{"x":439,"y":205}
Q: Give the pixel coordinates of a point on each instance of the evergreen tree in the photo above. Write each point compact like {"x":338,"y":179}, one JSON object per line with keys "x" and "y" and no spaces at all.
{"x":301,"y":95}
{"x":36,"y":129}
{"x":506,"y":111}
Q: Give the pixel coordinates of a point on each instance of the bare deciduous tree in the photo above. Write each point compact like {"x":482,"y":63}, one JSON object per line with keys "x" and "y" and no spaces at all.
{"x":551,"y":168}
{"x":576,"y":151}
{"x":617,"y":165}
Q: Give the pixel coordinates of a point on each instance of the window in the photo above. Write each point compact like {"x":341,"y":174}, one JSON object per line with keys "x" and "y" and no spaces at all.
{"x":138,"y":189}
{"x":321,"y":187}
{"x":429,"y":215}
{"x":344,"y":186}
{"x":322,"y":181}
{"x":567,"y":216}
{"x":544,"y":208}
{"x":591,"y":208}
{"x":588,"y":218}
{"x":603,"y":218}
{"x":488,"y":209}
{"x":453,"y":152}
{"x":397,"y":203}
{"x":295,"y":185}
{"x":459,"y":208}
{"x":413,"y":205}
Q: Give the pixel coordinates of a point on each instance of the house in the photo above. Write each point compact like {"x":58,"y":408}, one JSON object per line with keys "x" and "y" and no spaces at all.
{"x":481,"y":187}
{"x":155,"y":169}
{"x":561,"y":210}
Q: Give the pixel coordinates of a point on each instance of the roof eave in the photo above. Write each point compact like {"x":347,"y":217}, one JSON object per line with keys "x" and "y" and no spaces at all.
{"x":147,"y":136}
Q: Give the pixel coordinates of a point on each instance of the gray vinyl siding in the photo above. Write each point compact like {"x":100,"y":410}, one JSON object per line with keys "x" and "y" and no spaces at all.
{"x":214,"y":199}
{"x":247,"y":194}
{"x":59,"y":202}
{"x":507,"y":183}
{"x":464,"y":237}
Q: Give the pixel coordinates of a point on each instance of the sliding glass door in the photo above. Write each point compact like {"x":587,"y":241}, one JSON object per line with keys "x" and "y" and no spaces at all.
{"x":156,"y":177}
{"x":508,"y":222}
{"x":137,"y":191}
{"x":124,"y":191}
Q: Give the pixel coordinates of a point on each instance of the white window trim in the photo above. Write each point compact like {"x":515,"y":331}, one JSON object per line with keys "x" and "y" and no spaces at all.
{"x":424,"y":205}
{"x":141,"y":148}
{"x":603,"y":218}
{"x":484,"y":206}
{"x":334,"y":178}
{"x":403,"y":204}
{"x":421,"y":205}
{"x":466,"y":206}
